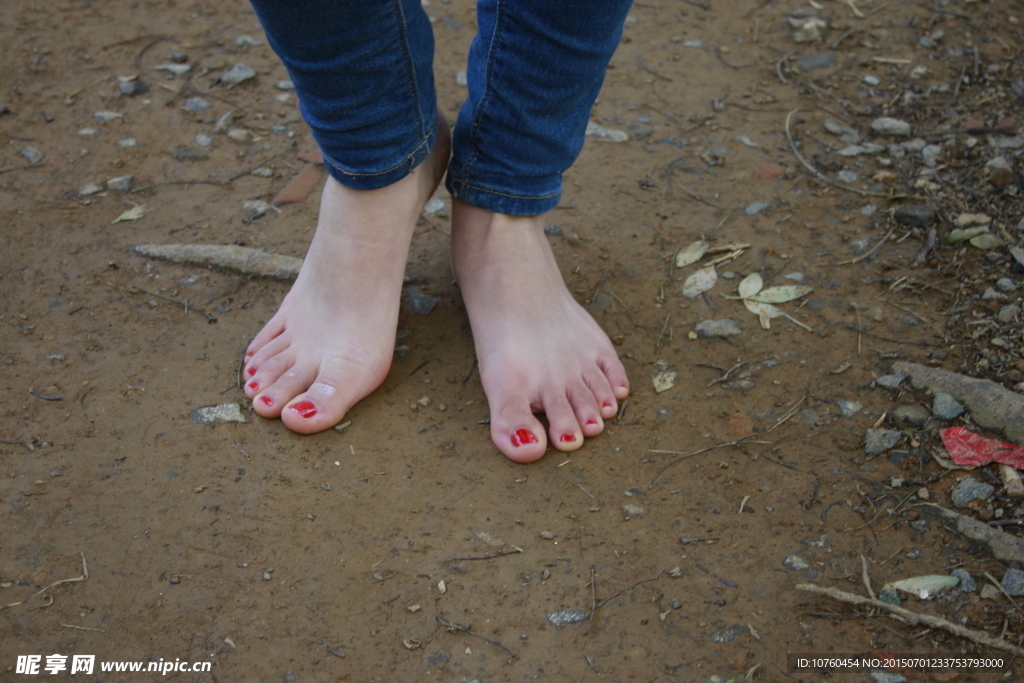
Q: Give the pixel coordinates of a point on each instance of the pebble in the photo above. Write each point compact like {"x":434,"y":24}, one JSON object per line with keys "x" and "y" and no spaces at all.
{"x":178,"y":57}
{"x":795,"y":277}
{"x":196,"y":104}
{"x":890,"y":382}
{"x":225,"y":412}
{"x":919,"y":525}
{"x":90,"y":189}
{"x":132,"y":88}
{"x":128,"y":143}
{"x":223,"y":122}
{"x":755,"y":208}
{"x":1013,"y":582}
{"x":237,"y":74}
{"x":889,"y":126}
{"x":183,"y":154}
{"x":1009,"y":143}
{"x":434,"y":205}
{"x":566,"y":616}
{"x":694,"y":42}
{"x":916,"y":415}
{"x":246,"y":41}
{"x":284,"y":85}
{"x":878,"y":441}
{"x":122,"y":183}
{"x":88,"y":132}
{"x":990,"y":294}
{"x":849,"y":408}
{"x":105,"y":116}
{"x":872,"y":80}
{"x":880,"y":676}
{"x":931,"y":155}
{"x":812,"y":62}
{"x":547,"y":535}
{"x":596,"y":130}
{"x":945,"y":407}
{"x":263,"y":172}
{"x":847,"y":176}
{"x":629,"y":511}
{"x":728,"y":634}
{"x":1000,"y":171}
{"x":421,"y":303}
{"x":1005,"y":284}
{"x":969,"y":490}
{"x":868,"y":210}
{"x":967,"y":583}
{"x":255,"y":207}
{"x":461,"y":78}
{"x":990,"y":592}
{"x":238,"y":134}
{"x":915,"y":215}
{"x":203,"y":140}
{"x":717,"y":329}
{"x":174,"y":580}
{"x":32,"y":155}
{"x":1020,"y":226}
{"x":1008,"y":313}
{"x":552,"y":230}
{"x":176,"y":69}
{"x":796,"y":563}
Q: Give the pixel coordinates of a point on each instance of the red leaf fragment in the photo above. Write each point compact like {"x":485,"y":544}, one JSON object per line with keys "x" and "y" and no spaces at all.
{"x":968,"y":448}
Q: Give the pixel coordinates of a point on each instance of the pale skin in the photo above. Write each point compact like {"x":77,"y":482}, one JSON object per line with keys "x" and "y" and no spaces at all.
{"x":331,"y":342}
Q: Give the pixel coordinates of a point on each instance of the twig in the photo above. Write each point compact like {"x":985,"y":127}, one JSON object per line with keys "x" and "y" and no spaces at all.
{"x":593,"y":601}
{"x":585,"y":491}
{"x":456,"y":627}
{"x":239,"y":449}
{"x":600,"y":282}
{"x":867,"y":579}
{"x":624,"y":590}
{"x":184,"y":304}
{"x":20,"y":168}
{"x":914,"y":617}
{"x":488,"y":557}
{"x":869,"y":252}
{"x":737,"y":442}
{"x":699,"y":198}
{"x":45,"y":398}
{"x":83,"y":577}
{"x":724,"y":581}
{"x":1002,"y":590}
{"x":818,"y":174}
{"x":664,"y":327}
{"x":84,"y":628}
{"x":896,"y":341}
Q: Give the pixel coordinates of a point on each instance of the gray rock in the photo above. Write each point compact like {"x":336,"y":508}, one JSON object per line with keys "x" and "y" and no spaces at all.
{"x":90,"y":189}
{"x":1008,"y":313}
{"x":913,"y":414}
{"x":1013,"y":582}
{"x":890,"y":382}
{"x":849,"y":408}
{"x":421,"y":303}
{"x":552,"y":230}
{"x":967,"y":583}
{"x":1020,"y":226}
{"x":817,"y":305}
{"x":872,"y":80}
{"x":755,"y":208}
{"x":566,"y":616}
{"x":630,"y":511}
{"x":183,"y":154}
{"x":245,"y":41}
{"x":196,"y":104}
{"x":969,"y":490}
{"x":132,"y":88}
{"x":32,"y":155}
{"x":225,"y":412}
{"x":809,"y":418}
{"x":945,"y":407}
{"x":868,"y":210}
{"x":915,"y":215}
{"x":990,"y":294}
{"x":795,"y":277}
{"x":915,"y":145}
{"x":838,"y":129}
{"x":717,"y":329}
{"x":122,"y":183}
{"x":128,"y":143}
{"x":847,"y":176}
{"x":596,"y":130}
{"x":796,"y":563}
{"x":1009,"y":143}
{"x":107,"y":116}
{"x":638,"y":130}
{"x":1005,"y":284}
{"x":176,"y":69}
{"x":224,"y":122}
{"x":284,"y":85}
{"x":897,"y":151}
{"x":919,"y":525}
{"x":812,"y":62}
{"x":888,"y":126}
{"x":878,"y":441}
{"x":728,"y":634}
{"x":239,"y":73}
{"x":203,"y":140}
{"x":881,"y":676}
{"x":434,"y":205}
{"x":931,"y":155}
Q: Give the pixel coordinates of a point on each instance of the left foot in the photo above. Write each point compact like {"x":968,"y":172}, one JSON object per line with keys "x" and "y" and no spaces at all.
{"x":539,"y":350}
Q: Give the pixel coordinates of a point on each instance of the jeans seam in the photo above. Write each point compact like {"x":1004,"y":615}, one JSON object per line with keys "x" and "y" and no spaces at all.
{"x":478,"y":114}
{"x":408,"y":159}
{"x":403,"y":29}
{"x":505,"y":194}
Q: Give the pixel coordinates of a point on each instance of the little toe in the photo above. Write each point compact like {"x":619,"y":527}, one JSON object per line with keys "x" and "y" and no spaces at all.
{"x":259,"y":358}
{"x":603,"y":393}
{"x":616,"y":375}
{"x":268,"y":334}
{"x":564,"y":429}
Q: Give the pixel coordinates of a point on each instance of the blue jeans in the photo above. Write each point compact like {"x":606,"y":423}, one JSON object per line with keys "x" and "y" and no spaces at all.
{"x":363,"y":74}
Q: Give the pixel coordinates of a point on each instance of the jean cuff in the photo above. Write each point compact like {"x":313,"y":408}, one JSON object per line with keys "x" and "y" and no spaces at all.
{"x":528,"y":199}
{"x":389,"y":176}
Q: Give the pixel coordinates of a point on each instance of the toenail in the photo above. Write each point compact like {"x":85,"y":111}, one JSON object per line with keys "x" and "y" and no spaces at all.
{"x":567,"y":438}
{"x":592,"y":421}
{"x":250,"y":354}
{"x":305,"y":408}
{"x":606,"y":404}
{"x":523,"y":436}
{"x":251,"y":371}
{"x":267,"y":400}
{"x":255,"y":386}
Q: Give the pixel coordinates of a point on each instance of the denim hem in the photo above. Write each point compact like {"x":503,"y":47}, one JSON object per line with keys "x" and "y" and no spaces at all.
{"x":381,"y":179}
{"x":501,"y":202}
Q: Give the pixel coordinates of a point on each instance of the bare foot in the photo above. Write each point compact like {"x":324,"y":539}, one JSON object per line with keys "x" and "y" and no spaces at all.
{"x":539,"y":351}
{"x":331,"y":342}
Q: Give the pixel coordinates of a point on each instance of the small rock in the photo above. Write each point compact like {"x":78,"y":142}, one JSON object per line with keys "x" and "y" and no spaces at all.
{"x":284,"y":85}
{"x":638,"y":130}
{"x":237,"y":74}
{"x":849,"y":408}
{"x":106,"y":116}
{"x":931,"y":155}
{"x":178,"y":57}
{"x":945,"y":407}
{"x":1008,"y":313}
{"x":969,"y":490}
{"x":796,"y":563}
{"x":990,"y":592}
{"x":881,"y":676}
{"x":812,"y":62}
{"x":967,"y":583}
{"x":847,"y":176}
{"x":694,"y":42}
{"x":263,"y":172}
{"x":196,"y":105}
{"x":32,"y":155}
{"x":915,"y":215}
{"x":547,"y":535}
{"x":728,"y":634}
{"x":421,"y":303}
{"x":238,"y":135}
{"x":461,"y":78}
{"x":176,"y":69}
{"x":121,"y":183}
{"x":552,"y":230}
{"x":795,"y":277}
{"x":132,"y":88}
{"x":567,"y":616}
{"x":717,"y":329}
{"x":868,"y":210}
{"x":596,"y":130}
{"x":225,"y":412}
{"x":990,"y":294}
{"x":872,"y":80}
{"x":914,"y":414}
{"x":88,"y":132}
{"x":223,"y":122}
{"x":888,"y":126}
{"x":128,"y":143}
{"x":1005,"y":284}
{"x":434,"y":205}
{"x":244,"y":41}
{"x":183,"y":154}
{"x":755,"y":208}
{"x":1020,"y":226}
{"x":919,"y":525}
{"x":1000,"y":171}
{"x":89,"y":189}
{"x":630,"y":511}
{"x":203,"y":140}
{"x":255,"y":207}
{"x":1013,"y":582}
{"x":806,"y":27}
{"x":890,"y":382}
{"x":878,"y":441}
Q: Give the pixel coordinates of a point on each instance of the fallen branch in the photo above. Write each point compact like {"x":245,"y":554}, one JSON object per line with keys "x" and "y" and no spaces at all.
{"x":914,"y":618}
{"x":244,"y":260}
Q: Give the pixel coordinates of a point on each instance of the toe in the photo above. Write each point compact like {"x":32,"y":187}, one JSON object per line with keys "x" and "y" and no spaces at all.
{"x":269,"y":333}
{"x":564,"y":429}
{"x":585,"y":407}
{"x":259,"y":358}
{"x":616,"y":376}
{"x":515,"y":430}
{"x":276,"y":394}
{"x":603,"y":393}
{"x":326,"y":400}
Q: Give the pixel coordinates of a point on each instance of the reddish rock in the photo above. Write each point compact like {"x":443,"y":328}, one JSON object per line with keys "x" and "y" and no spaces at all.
{"x":768,"y":174}
{"x":974,"y":124}
{"x":300,"y":186}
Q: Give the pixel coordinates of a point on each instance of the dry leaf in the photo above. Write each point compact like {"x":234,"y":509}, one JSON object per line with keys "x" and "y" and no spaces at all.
{"x":691,"y":254}
{"x":664,"y":381}
{"x":487,"y":538}
{"x":780,"y":295}
{"x":751,"y":285}
{"x":132,"y":214}
{"x":764,"y":312}
{"x":700,"y":282}
{"x":441,"y":587}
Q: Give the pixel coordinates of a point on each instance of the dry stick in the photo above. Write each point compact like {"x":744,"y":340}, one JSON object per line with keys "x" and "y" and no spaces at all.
{"x":20,"y":168}
{"x":663,"y":328}
{"x":593,"y":601}
{"x":867,"y":579}
{"x":914,"y":617}
{"x":818,"y":174}
{"x":921,"y":318}
{"x":898,"y":341}
{"x":1002,"y":590}
{"x":456,"y":627}
{"x":488,"y":557}
{"x":737,"y":442}
{"x":871,"y":251}
{"x":185,"y":304}
{"x":83,"y":577}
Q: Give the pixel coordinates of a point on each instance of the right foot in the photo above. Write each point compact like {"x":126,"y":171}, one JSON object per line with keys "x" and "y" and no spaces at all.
{"x":330,"y":344}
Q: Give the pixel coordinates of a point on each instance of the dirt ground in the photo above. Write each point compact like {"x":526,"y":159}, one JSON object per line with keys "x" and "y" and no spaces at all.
{"x":405,"y":547}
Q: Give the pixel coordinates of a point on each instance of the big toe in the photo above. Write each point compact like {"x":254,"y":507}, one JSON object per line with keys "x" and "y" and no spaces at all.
{"x":323,"y":404}
{"x":516,"y":431}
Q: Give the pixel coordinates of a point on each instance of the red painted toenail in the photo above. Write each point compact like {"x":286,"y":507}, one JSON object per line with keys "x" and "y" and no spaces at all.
{"x":523,"y":436}
{"x":305,"y":408}
{"x":592,"y":421}
{"x":267,"y":400}
{"x":567,"y":438}
{"x":250,"y":354}
{"x":251,"y":371}
{"x":255,"y":386}
{"x":606,"y":404}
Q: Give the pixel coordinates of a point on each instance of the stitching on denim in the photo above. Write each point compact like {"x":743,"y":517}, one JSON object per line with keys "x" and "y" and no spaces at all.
{"x":491,"y":58}
{"x":403,"y":30}
{"x":504,"y":194}
{"x":409,"y":158}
